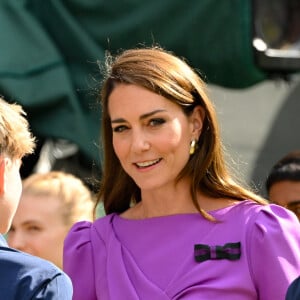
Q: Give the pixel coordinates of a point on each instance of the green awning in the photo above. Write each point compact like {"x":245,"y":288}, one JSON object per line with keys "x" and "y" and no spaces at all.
{"x":49,"y":52}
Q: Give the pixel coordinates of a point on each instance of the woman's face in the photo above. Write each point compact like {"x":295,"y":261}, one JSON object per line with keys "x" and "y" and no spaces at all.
{"x":38,"y":228}
{"x":151,"y":135}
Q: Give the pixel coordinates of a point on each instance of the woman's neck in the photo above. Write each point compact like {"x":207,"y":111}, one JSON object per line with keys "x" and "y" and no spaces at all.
{"x":166,"y":201}
{"x":173,"y":200}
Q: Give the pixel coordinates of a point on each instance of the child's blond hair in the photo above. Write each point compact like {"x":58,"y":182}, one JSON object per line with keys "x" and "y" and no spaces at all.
{"x":16,"y":139}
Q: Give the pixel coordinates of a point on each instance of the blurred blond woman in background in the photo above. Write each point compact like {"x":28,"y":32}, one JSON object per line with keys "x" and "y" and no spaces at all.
{"x":50,"y":204}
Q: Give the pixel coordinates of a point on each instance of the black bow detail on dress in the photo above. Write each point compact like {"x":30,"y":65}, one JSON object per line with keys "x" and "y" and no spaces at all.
{"x":231,"y":251}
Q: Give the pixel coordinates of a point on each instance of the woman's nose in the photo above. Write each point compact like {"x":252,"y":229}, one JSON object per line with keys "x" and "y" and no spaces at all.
{"x":140,"y":142}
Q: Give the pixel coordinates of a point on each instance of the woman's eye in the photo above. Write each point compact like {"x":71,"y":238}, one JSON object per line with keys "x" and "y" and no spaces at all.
{"x":120,"y":128}
{"x":33,"y":228}
{"x":156,"y":122}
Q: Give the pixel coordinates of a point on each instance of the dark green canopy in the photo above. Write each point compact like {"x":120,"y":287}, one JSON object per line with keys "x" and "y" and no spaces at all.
{"x":50,"y":48}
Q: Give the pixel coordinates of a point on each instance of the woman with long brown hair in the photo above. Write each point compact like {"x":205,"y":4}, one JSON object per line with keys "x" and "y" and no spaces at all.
{"x":178,"y":225}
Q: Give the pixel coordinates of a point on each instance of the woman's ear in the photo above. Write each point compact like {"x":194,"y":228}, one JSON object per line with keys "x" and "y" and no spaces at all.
{"x":197,"y":119}
{"x":2,"y":171}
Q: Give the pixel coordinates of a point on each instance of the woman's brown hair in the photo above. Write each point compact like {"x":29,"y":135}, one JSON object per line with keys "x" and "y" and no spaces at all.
{"x":165,"y":74}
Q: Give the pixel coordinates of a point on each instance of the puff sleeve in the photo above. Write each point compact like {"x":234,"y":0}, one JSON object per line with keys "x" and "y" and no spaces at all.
{"x":78,"y":261}
{"x":273,"y":251}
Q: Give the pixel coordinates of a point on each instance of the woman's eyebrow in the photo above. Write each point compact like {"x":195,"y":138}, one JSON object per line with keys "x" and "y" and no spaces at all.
{"x":119,"y":120}
{"x":144,"y":116}
{"x":147,"y":115}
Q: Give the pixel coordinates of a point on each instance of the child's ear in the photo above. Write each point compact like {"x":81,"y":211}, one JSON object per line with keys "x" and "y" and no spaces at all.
{"x":2,"y":170}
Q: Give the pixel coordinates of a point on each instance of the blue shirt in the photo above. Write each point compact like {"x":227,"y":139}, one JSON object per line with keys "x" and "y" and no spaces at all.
{"x":293,"y":292}
{"x":23,"y":276}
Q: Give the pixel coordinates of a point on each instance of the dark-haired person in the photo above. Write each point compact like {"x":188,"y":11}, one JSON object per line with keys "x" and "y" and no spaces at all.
{"x":283,"y":182}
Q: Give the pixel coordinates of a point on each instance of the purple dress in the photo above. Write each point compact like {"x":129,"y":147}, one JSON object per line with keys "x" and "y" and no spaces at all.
{"x":251,"y":252}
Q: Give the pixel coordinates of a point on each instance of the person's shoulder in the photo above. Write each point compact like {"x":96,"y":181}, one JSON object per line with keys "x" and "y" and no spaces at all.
{"x":293,"y":292}
{"x":20,"y":260}
{"x":244,"y":210}
{"x":83,"y":227}
{"x":263,"y":217}
{"x":256,"y":211}
{"x":83,"y":239}
{"x":274,"y":213}
{"x":28,"y":275}
{"x":81,"y":233}
{"x":272,"y":220}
